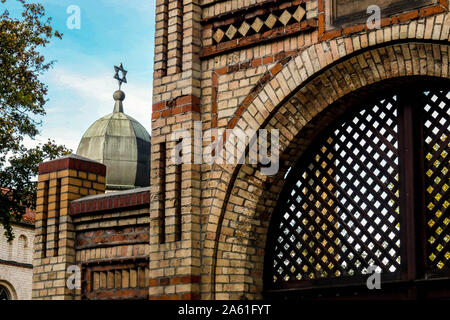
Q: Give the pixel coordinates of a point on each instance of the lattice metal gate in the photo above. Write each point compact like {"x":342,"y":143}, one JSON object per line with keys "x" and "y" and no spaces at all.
{"x":371,"y":192}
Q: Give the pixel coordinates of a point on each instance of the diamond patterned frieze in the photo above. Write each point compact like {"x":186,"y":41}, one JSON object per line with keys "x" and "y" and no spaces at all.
{"x":259,"y":24}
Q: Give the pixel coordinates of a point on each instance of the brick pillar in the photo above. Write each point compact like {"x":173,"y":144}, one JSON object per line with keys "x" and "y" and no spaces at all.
{"x":175,"y":206}
{"x":60,"y":181}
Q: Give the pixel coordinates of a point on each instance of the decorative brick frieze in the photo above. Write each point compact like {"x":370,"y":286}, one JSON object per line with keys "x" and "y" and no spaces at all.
{"x":223,"y":9}
{"x":255,"y":24}
{"x":246,"y":22}
{"x":276,"y":33}
{"x":109,"y":253}
{"x":120,"y":279}
{"x":108,"y":237}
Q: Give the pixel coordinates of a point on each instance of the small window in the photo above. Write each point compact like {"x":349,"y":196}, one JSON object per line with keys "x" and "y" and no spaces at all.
{"x":23,"y":242}
{"x":22,"y":250}
{"x":350,"y":12}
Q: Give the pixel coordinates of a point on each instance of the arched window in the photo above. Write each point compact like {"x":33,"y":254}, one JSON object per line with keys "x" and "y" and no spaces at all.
{"x":371,"y":193}
{"x":4,"y":293}
{"x":22,"y":250}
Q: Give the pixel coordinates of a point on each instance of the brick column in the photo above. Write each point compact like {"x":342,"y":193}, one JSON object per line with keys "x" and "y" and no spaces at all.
{"x":60,"y":181}
{"x":175,"y":205}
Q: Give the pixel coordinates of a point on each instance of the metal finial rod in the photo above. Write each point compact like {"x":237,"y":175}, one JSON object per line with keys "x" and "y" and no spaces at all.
{"x":119,"y":79}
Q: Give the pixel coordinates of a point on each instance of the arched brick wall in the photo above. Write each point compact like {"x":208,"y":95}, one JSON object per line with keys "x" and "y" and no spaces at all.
{"x":296,"y":100}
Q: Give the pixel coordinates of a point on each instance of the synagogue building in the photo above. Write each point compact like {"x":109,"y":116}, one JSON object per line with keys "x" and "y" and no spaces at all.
{"x":351,"y":102}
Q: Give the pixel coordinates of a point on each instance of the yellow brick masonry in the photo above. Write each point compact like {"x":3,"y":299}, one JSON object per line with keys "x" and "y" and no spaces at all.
{"x":54,"y":249}
{"x":289,"y":84}
{"x":171,"y":80}
{"x":235,"y":262}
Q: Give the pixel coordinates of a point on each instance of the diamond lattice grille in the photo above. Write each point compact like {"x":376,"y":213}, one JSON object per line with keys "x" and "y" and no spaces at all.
{"x":436,"y":148}
{"x":341,"y":210}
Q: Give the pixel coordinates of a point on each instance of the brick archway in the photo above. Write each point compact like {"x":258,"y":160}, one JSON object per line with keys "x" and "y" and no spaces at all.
{"x":296,"y":101}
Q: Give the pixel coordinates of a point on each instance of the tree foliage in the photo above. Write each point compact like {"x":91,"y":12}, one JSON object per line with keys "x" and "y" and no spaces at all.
{"x":22,"y":100}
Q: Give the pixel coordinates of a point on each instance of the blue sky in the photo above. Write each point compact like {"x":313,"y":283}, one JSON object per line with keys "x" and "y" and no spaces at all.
{"x":81,"y":82}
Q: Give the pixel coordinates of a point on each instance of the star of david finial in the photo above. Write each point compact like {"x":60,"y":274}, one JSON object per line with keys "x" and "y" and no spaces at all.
{"x":118,"y":77}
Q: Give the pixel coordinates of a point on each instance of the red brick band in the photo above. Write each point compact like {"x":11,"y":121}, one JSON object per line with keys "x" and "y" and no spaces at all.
{"x":72,"y":163}
{"x":161,"y":282}
{"x":179,"y":296}
{"x":112,"y":202}
{"x":173,"y":280}
{"x":176,"y":106}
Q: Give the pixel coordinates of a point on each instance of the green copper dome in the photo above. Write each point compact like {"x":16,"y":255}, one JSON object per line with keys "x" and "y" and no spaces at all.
{"x":122,"y":144}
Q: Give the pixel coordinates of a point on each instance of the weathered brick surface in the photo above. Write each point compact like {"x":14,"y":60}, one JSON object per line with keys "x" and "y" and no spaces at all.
{"x":112,"y":245}
{"x":112,"y":236}
{"x":116,"y":280}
